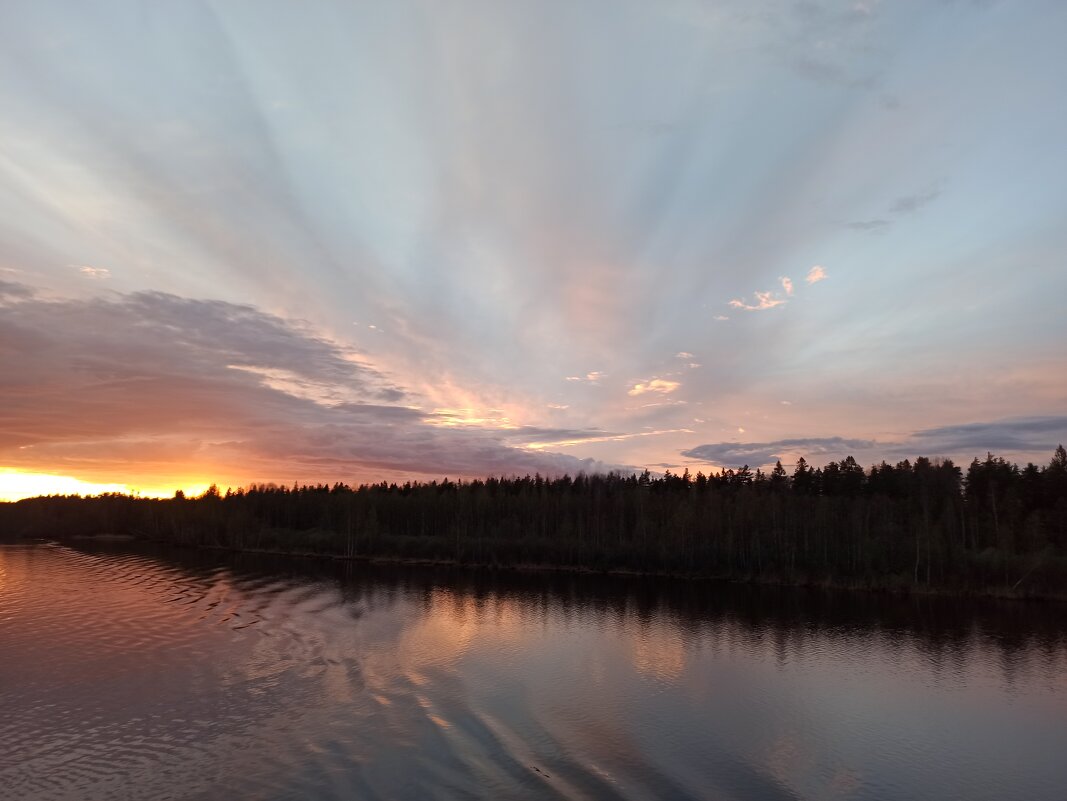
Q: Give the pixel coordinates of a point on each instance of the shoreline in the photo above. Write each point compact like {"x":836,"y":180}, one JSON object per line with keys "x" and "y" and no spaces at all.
{"x":1000,"y":594}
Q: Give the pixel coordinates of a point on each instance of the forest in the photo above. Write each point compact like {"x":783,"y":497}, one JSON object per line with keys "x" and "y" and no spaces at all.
{"x":996,"y":528}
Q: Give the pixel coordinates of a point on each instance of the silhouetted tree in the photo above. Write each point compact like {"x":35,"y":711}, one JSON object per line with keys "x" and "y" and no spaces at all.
{"x":922,"y":523}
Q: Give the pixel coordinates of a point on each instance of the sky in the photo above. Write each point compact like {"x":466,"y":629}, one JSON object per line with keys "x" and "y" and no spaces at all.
{"x":331,"y":241}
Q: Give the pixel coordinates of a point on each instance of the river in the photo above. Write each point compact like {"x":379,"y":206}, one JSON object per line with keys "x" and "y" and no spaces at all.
{"x":135,"y":672}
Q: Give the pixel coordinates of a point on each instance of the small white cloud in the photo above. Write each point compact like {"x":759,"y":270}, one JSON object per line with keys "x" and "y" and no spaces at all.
{"x":787,"y":285}
{"x":559,"y":406}
{"x":764,"y":300}
{"x":683,"y":354}
{"x":815,"y":274}
{"x":740,"y":430}
{"x":693,"y":365}
{"x":96,"y":273}
{"x":592,"y":377}
{"x":786,"y":403}
{"x":660,"y":385}
{"x":721,"y":318}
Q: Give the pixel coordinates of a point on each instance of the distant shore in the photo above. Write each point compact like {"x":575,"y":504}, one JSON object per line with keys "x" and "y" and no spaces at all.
{"x":998,"y":530}
{"x":896,"y":588}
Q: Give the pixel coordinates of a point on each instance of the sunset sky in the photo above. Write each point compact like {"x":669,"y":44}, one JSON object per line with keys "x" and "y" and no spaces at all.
{"x":316,"y":241}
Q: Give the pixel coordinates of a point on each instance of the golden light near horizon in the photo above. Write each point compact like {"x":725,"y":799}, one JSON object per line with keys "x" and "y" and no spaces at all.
{"x":17,"y":484}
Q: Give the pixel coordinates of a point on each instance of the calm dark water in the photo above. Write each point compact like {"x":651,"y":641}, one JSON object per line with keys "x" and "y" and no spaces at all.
{"x":149,"y":674}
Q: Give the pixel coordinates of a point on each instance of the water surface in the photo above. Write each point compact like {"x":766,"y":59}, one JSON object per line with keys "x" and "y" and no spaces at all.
{"x":141,"y":673}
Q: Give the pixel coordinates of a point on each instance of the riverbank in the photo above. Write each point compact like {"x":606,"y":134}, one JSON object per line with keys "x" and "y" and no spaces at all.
{"x":917,"y":535}
{"x":893,"y":585}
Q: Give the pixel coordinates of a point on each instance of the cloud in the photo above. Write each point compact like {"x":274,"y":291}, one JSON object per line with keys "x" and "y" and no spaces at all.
{"x":763,"y":453}
{"x":1014,"y":435}
{"x":869,"y":225}
{"x":156,"y":386}
{"x":589,"y":435}
{"x":815,"y":274}
{"x":538,"y":435}
{"x":683,"y":354}
{"x":592,"y":377}
{"x":902,"y":206}
{"x":909,"y":204}
{"x":502,"y":238}
{"x":96,"y":273}
{"x":787,"y":285}
{"x":1032,"y":437}
{"x":660,"y":385}
{"x":11,"y":291}
{"x":764,"y":300}
{"x":831,"y":45}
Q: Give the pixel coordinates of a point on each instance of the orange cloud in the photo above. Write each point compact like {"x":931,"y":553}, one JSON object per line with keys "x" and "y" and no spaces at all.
{"x":660,"y":385}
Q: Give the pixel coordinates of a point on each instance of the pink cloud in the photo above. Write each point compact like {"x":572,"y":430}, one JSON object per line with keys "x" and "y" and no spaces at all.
{"x":815,"y":274}
{"x":764,"y":300}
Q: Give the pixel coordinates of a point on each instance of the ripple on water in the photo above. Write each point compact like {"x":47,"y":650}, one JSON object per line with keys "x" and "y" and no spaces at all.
{"x":143,"y":675}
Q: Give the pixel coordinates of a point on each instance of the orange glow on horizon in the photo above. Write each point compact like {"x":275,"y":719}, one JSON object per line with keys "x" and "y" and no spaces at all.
{"x":18,"y":484}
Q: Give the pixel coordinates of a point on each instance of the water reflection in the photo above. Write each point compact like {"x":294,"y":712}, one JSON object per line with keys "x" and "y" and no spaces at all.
{"x":183,"y":674}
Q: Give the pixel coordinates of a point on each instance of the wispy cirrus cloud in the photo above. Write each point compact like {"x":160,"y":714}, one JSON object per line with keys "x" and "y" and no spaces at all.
{"x":588,"y":437}
{"x":901,"y":207}
{"x":909,"y":204}
{"x":869,"y":225}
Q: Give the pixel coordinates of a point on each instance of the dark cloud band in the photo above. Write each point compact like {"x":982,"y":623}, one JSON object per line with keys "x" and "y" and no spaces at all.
{"x":1028,"y":436}
{"x":146,"y":381}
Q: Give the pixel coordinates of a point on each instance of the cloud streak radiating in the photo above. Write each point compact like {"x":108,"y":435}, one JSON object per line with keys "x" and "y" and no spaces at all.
{"x":336,"y":240}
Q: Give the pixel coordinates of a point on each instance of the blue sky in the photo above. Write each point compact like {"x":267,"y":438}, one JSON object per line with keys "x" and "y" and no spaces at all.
{"x":323,"y":241}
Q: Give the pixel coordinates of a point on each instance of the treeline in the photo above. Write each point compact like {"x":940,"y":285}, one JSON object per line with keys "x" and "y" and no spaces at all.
{"x":996,"y":528}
